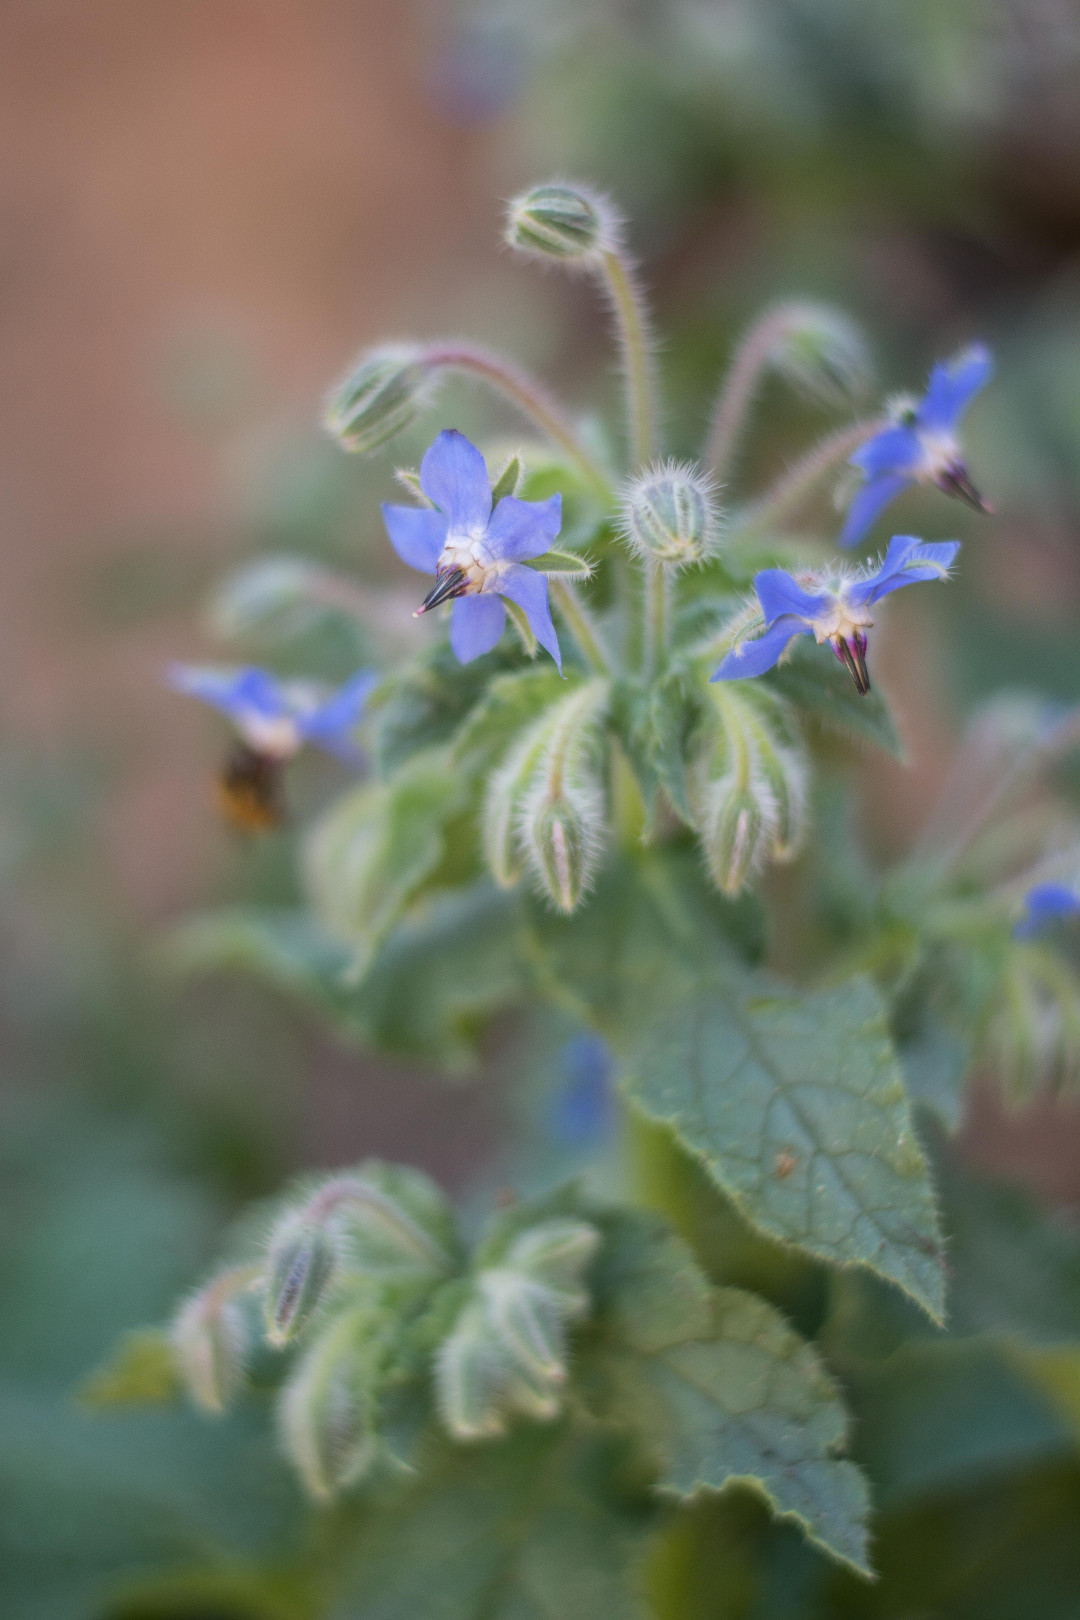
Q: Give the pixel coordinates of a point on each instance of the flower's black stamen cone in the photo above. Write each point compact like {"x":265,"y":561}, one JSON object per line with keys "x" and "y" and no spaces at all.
{"x":855,"y":664}
{"x":955,"y":481}
{"x":453,"y":583}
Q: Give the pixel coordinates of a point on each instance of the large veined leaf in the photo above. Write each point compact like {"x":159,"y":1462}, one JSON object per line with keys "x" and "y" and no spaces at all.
{"x":542,"y":1525}
{"x":795,"y":1104}
{"x":720,"y":1388}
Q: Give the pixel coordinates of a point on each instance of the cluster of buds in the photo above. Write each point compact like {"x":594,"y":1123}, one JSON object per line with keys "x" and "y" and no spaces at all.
{"x":749,"y":786}
{"x":545,"y":812}
{"x":361,"y":1284}
{"x":507,"y":1351}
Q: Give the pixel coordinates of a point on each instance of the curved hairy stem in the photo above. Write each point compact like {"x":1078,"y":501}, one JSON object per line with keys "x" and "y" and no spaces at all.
{"x":530,"y":397}
{"x":728,"y":419}
{"x":632,"y":321}
{"x":657,"y":603}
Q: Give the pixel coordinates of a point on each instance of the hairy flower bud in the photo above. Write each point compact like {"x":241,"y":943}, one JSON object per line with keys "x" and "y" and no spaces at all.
{"x":562,"y":838}
{"x":562,"y":221}
{"x":749,"y":789}
{"x":544,"y":811}
{"x":669,"y":514}
{"x":382,"y":394}
{"x":327,"y":1409}
{"x":821,"y":352}
{"x":209,"y":1338}
{"x":507,"y":1351}
{"x":301,"y":1262}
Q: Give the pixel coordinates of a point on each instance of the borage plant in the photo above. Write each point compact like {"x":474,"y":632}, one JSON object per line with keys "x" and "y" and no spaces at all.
{"x":579,"y":787}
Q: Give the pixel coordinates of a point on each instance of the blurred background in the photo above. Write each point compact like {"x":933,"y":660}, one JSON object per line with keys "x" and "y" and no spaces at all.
{"x":205,"y":209}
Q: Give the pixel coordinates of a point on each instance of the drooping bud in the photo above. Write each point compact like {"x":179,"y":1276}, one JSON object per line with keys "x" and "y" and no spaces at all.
{"x":821,"y":351}
{"x":669,"y":514}
{"x":507,"y":1352}
{"x":210,"y":1340}
{"x":327,"y":1411}
{"x":382,"y":394}
{"x":562,"y":839}
{"x":301,"y":1261}
{"x":562,"y":221}
{"x":544,"y":811}
{"x":749,"y":787}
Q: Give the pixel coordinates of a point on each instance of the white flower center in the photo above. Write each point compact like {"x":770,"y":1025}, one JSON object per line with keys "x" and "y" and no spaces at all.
{"x":939,"y":452}
{"x":841,"y":619}
{"x":277,"y":736}
{"x":469,"y":553}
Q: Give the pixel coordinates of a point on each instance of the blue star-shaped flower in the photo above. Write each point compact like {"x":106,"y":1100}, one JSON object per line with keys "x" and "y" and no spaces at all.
{"x":275,"y":718}
{"x":833,"y":608}
{"x":1046,"y":903}
{"x":921,"y":446}
{"x":477,"y":555}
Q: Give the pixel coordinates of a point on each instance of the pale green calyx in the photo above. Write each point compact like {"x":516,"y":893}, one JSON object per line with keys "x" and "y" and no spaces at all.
{"x":385,"y":390}
{"x":749,"y":787}
{"x":210,"y":1339}
{"x":821,"y":351}
{"x":301,"y":1263}
{"x":669,"y":514}
{"x":562,"y":221}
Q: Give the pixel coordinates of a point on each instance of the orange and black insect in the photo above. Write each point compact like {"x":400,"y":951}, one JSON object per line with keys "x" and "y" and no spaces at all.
{"x":250,"y":790}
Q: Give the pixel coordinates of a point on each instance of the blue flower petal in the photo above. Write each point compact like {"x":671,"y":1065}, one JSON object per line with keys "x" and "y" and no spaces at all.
{"x":332,"y":722}
{"x":907,"y":561}
{"x":530,"y":591}
{"x":417,"y":534}
{"x":1045,"y":903}
{"x":894,"y":449}
{"x":522,"y":529}
{"x":755,"y":657}
{"x":242,"y":694}
{"x":953,"y":385}
{"x":476,"y":623}
{"x":454,"y":475}
{"x":583,"y":1112}
{"x":779,"y":593}
{"x":868,"y":501}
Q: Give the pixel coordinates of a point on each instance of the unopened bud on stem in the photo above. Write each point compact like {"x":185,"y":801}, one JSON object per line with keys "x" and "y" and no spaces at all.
{"x":327,"y":1408}
{"x":562,"y":221}
{"x":301,"y":1263}
{"x":209,"y":1339}
{"x":383,"y":394}
{"x":669,"y":514}
{"x":821,"y":352}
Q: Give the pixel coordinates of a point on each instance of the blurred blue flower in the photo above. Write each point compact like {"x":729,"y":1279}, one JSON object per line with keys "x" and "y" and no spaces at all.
{"x":477,"y":555}
{"x":276,"y":718}
{"x":583,"y":1109}
{"x":921,"y":446}
{"x":1046,"y":903}
{"x":832,"y":607}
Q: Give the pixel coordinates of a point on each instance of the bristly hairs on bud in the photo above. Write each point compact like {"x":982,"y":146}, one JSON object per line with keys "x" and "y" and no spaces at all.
{"x":507,"y":1351}
{"x":748,"y":788}
{"x":302,"y":1257}
{"x":669,"y":514}
{"x":822,"y":352}
{"x":384,"y":392}
{"x":210,"y":1339}
{"x":327,"y":1407}
{"x":565,"y":221}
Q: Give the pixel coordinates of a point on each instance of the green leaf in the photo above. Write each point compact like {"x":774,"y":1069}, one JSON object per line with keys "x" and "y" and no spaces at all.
{"x":795,"y":1105}
{"x":648,"y":1290}
{"x":369,"y":855}
{"x":422,"y":704}
{"x":818,"y":683}
{"x":565,"y":564}
{"x":141,"y":1370}
{"x":654,"y":725}
{"x":542,"y":1525}
{"x":508,"y":480}
{"x":520,"y":621}
{"x":749,"y":1403}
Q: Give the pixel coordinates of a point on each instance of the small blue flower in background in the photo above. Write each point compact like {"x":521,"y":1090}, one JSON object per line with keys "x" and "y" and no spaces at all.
{"x":583,"y":1109}
{"x":477,"y":555}
{"x":1046,"y":903}
{"x":832,"y":607}
{"x":276,"y":718}
{"x":921,"y":446}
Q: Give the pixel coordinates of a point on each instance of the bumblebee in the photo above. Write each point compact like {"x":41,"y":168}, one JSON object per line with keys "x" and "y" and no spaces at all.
{"x":250,"y":790}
